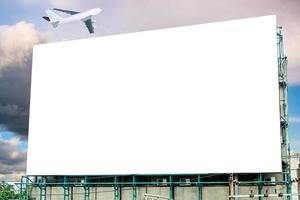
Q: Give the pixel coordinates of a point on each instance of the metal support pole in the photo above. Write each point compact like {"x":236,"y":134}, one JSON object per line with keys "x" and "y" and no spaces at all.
{"x":288,"y":183}
{"x":66,"y":189}
{"x":283,"y":89}
{"x":171,"y":188}
{"x":86,"y":189}
{"x":260,"y":186}
{"x":231,"y":187}
{"x":116,"y":188}
{"x":133,"y":188}
{"x":24,"y":188}
{"x":42,"y":186}
{"x":199,"y":188}
{"x":21,"y":188}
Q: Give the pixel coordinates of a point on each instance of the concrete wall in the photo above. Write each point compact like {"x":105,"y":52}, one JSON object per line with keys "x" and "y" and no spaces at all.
{"x":295,"y":173}
{"x":180,"y":193}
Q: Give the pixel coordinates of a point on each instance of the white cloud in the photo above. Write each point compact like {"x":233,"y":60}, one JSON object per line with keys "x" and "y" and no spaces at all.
{"x":65,"y":3}
{"x":14,"y":177}
{"x":12,"y":160}
{"x":16,"y":43}
{"x":29,"y":1}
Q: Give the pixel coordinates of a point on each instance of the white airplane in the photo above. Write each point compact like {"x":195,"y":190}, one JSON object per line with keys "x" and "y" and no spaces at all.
{"x":54,"y":19}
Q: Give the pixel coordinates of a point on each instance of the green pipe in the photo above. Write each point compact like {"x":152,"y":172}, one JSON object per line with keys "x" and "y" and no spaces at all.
{"x":199,"y":188}
{"x":155,"y":183}
{"x":116,"y":188}
{"x":133,"y":188}
{"x":260,"y":186}
{"x":171,"y":188}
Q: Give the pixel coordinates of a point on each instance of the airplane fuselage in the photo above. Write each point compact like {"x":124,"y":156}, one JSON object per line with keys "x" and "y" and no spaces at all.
{"x":81,"y":16}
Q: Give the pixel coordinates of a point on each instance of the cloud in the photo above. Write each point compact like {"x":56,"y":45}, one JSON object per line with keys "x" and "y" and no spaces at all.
{"x":10,"y":110}
{"x":65,"y":3}
{"x":14,"y":99}
{"x":16,"y":44}
{"x":12,"y":160}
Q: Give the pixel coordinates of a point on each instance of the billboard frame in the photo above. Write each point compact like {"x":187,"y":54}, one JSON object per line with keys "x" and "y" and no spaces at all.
{"x":28,"y":182}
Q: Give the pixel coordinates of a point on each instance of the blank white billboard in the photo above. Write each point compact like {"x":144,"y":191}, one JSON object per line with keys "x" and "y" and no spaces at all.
{"x":185,"y":100}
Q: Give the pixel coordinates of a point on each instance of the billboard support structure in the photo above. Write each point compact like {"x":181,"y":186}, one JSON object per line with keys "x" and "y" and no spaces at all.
{"x":43,"y":188}
{"x":133,"y":188}
{"x":283,"y":95}
{"x":199,"y":188}
{"x":260,"y":186}
{"x":86,"y":189}
{"x":116,"y":188}
{"x":66,"y":189}
{"x":26,"y":183}
{"x":171,"y":188}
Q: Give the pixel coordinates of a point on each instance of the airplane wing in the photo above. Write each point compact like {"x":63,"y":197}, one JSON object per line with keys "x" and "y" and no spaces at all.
{"x":67,"y":11}
{"x":89,"y":24}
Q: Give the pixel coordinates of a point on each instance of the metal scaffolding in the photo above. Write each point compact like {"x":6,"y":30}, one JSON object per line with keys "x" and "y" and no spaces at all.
{"x":283,"y":97}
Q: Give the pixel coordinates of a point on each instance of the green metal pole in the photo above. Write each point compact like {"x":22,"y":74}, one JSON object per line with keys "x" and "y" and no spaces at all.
{"x":21,"y":189}
{"x":288,"y":183}
{"x":171,"y":188}
{"x":116,"y":188}
{"x":133,"y":188}
{"x":260,"y":186}
{"x":66,"y":189}
{"x":86,"y":189}
{"x":26,"y":189}
{"x":43,"y":189}
{"x":199,"y":188}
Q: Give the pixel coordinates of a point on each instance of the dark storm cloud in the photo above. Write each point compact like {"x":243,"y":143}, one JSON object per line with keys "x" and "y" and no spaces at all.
{"x":14,"y":99}
{"x":16,"y":44}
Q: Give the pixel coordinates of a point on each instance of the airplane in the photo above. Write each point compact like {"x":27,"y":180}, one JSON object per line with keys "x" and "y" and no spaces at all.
{"x":54,"y":19}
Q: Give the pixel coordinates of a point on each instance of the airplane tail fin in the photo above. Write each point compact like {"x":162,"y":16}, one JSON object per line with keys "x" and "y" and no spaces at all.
{"x":47,"y":18}
{"x":52,"y":18}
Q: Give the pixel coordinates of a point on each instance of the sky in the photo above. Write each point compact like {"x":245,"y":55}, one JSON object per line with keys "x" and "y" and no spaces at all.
{"x":21,"y":26}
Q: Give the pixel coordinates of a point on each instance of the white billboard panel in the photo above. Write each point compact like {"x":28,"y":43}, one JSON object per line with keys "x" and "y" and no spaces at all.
{"x":194,"y":99}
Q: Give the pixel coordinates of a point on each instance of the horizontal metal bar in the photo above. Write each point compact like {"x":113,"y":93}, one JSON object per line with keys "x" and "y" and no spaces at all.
{"x":262,"y":195}
{"x":127,"y":183}
{"x":155,"y":183}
